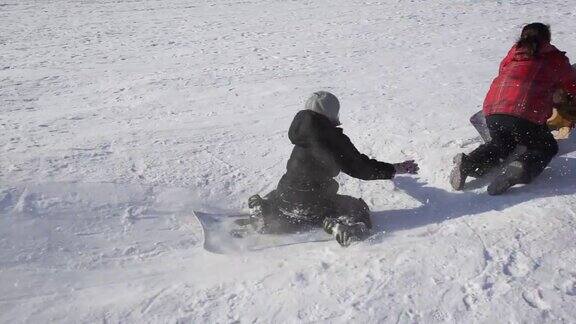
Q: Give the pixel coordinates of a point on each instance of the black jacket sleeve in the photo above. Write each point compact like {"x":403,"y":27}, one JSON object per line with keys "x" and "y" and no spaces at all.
{"x":354,"y":163}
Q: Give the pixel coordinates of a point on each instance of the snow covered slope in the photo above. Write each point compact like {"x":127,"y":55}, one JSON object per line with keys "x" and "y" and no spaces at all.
{"x":118,"y":118}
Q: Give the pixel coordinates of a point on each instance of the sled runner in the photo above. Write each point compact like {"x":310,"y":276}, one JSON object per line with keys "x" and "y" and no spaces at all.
{"x":560,"y":124}
{"x":229,"y":233}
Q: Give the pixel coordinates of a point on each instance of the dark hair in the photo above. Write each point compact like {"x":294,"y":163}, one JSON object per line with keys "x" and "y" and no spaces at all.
{"x":533,"y":36}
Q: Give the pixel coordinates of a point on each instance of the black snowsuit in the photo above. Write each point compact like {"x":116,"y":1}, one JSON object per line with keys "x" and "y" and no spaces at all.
{"x":307,"y":193}
{"x":507,"y":132}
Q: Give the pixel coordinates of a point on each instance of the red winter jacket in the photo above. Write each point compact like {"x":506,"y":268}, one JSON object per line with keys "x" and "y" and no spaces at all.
{"x":524,"y":86}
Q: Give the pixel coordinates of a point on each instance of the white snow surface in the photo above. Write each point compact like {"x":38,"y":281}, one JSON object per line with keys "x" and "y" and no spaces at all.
{"x":118,"y":118}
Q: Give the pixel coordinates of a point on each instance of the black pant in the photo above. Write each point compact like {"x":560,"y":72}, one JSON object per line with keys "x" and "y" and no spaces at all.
{"x":507,"y":132}
{"x":283,"y":214}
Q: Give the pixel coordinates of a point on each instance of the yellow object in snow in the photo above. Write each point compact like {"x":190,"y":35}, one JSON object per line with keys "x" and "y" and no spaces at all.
{"x":563,"y":116}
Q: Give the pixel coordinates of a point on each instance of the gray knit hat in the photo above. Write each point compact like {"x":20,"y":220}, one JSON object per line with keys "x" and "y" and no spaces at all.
{"x":325,"y":103}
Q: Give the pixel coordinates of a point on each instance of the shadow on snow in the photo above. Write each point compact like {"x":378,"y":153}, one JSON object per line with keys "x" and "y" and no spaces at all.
{"x":439,"y":205}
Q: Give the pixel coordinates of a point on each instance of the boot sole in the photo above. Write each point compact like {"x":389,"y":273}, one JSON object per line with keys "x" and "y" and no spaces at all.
{"x":457,"y":178}
{"x":327,"y":225}
{"x":255,"y":200}
{"x":348,"y":234}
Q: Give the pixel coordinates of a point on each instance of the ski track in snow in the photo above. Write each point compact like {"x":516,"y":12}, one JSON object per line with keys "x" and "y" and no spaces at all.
{"x":119,"y":118}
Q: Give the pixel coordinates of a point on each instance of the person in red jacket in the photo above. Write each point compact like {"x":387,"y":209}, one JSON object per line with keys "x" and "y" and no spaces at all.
{"x":516,"y":108}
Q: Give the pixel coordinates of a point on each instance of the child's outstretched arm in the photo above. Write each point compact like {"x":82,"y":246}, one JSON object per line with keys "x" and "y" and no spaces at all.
{"x":360,"y":166}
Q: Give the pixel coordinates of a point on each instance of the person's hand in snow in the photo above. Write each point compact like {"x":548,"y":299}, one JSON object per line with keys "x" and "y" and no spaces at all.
{"x":409,"y":166}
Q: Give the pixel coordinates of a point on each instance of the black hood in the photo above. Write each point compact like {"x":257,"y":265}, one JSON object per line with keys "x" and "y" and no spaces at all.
{"x":309,"y":127}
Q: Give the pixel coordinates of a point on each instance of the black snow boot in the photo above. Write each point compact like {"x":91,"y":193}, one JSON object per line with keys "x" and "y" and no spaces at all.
{"x":514,"y":174}
{"x":257,"y":207}
{"x":345,"y":229}
{"x":460,"y":172}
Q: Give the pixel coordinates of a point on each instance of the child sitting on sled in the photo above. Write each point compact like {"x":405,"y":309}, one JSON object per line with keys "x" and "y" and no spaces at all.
{"x":307,"y":195}
{"x":517,"y":107}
